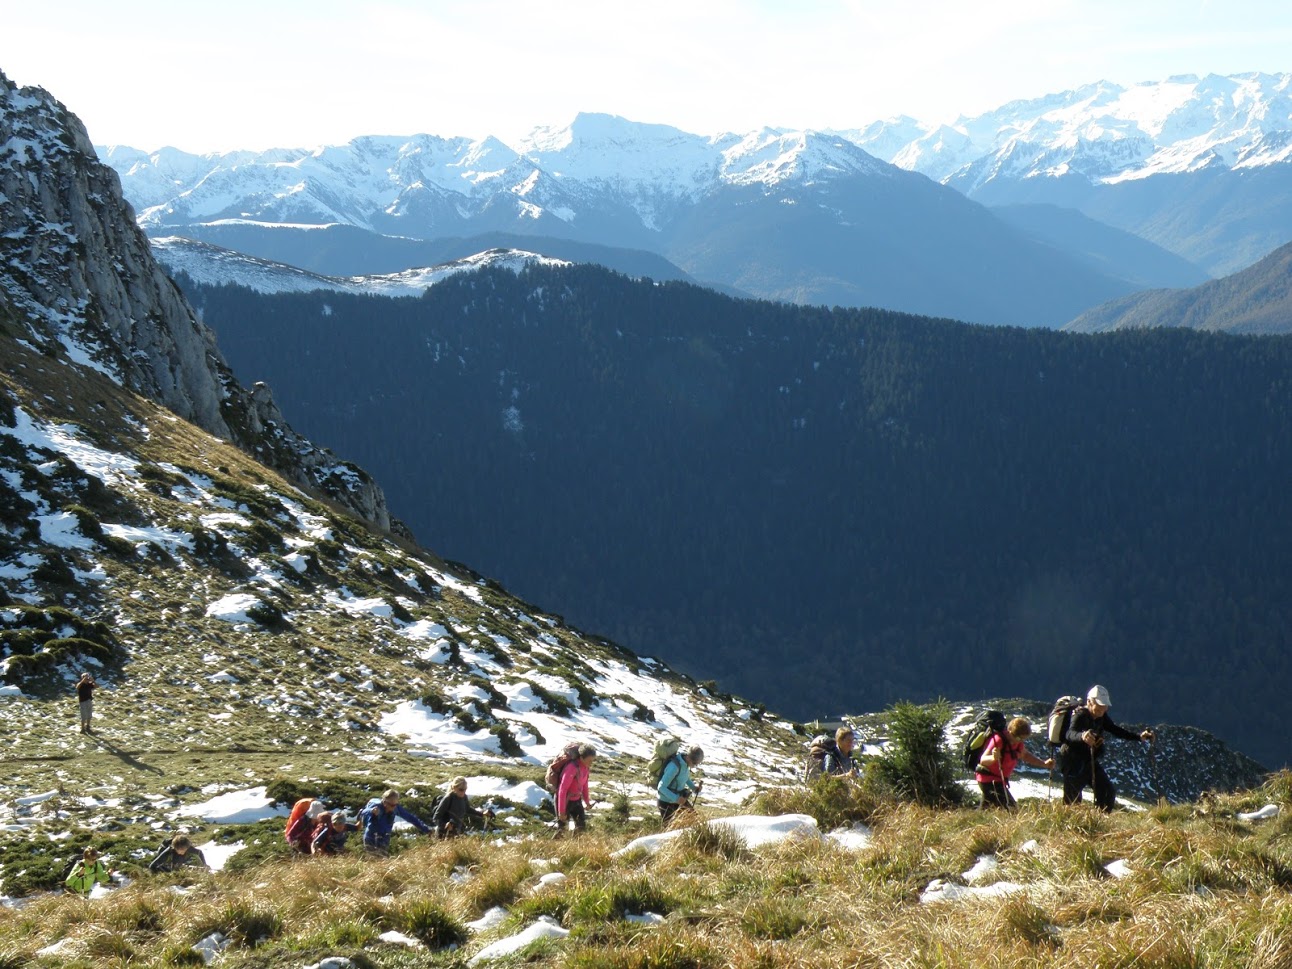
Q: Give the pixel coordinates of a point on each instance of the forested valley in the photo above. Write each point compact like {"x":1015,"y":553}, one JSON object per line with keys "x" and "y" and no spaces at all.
{"x":825,"y":509}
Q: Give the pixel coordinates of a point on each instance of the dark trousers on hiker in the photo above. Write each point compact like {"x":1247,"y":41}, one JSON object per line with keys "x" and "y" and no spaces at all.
{"x":574,"y":811}
{"x":996,"y":794}
{"x":1090,"y":775}
{"x":667,"y":810}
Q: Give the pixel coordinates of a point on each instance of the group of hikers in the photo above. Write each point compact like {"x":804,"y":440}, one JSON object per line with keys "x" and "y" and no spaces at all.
{"x":1076,"y":732}
{"x":90,"y":870}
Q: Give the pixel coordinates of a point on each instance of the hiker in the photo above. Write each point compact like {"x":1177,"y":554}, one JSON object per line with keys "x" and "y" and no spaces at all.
{"x":379,"y":816}
{"x":87,"y":872}
{"x":1083,"y":748}
{"x":999,"y":758}
{"x":831,"y":756}
{"x":572,"y":798}
{"x":453,"y":809}
{"x":177,"y":853}
{"x":330,"y":833}
{"x":676,"y":788}
{"x":85,"y":699}
{"x":301,"y":824}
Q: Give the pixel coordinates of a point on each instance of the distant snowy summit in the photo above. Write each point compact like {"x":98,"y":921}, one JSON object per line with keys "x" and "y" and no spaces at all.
{"x":1102,"y":132}
{"x":599,"y":162}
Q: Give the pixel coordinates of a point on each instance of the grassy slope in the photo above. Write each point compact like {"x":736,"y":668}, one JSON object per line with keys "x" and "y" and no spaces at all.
{"x":1203,"y":889}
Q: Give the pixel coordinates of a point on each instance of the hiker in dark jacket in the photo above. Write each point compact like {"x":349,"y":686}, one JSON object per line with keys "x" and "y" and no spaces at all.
{"x":85,"y":700}
{"x":379,"y":821}
{"x":453,"y":809}
{"x":838,"y":759}
{"x":176,"y":854}
{"x":1083,"y":749}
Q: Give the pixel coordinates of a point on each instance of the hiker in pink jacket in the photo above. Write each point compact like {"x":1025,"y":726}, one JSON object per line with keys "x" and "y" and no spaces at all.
{"x":572,"y":799}
{"x":999,"y":758}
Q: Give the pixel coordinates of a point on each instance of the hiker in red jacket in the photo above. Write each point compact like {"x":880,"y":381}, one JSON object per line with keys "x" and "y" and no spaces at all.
{"x":999,"y":757}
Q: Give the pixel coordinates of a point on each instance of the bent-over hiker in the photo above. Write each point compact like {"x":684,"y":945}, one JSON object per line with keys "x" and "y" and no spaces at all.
{"x":87,"y":872}
{"x":379,"y":816}
{"x":676,"y":787}
{"x":176,"y":854}
{"x":453,"y":810}
{"x":572,"y":797}
{"x":300,"y":829}
{"x":1083,"y":748}
{"x":1000,"y":756}
{"x":330,"y":833}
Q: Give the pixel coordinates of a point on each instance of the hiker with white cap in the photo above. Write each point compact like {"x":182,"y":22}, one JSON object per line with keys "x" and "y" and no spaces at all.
{"x":1084,"y":747}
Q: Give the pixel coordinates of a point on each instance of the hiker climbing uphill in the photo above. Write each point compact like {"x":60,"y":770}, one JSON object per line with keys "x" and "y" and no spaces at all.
{"x":1083,"y":749}
{"x":378,"y":817}
{"x":177,"y":853}
{"x":1000,"y":756}
{"x":676,"y":788}
{"x":453,"y":811}
{"x":831,"y":756}
{"x":87,"y":873}
{"x":572,"y":798}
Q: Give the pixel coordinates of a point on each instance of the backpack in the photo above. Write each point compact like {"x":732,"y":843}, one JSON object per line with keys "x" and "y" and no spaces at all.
{"x":814,"y":763}
{"x":989,"y":722}
{"x":665,"y":751}
{"x":298,"y":809}
{"x":552,"y":779}
{"x":1061,"y":719}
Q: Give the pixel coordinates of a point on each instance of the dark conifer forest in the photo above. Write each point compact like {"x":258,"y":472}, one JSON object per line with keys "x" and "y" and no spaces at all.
{"x":826,"y":509}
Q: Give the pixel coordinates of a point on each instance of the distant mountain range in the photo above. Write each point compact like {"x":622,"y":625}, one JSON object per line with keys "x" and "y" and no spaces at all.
{"x":1096,"y":193}
{"x":1201,"y":166}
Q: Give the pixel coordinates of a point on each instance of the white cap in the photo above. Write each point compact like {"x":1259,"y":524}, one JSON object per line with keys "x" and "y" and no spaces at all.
{"x":1100,"y":695}
{"x":316,"y":808}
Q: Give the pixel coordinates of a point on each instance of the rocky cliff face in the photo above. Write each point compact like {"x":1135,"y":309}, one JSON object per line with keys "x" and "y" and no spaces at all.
{"x":78,"y":280}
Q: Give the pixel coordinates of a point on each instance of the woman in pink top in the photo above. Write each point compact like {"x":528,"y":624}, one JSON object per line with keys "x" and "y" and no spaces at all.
{"x":1000,"y":757}
{"x":572,"y":800}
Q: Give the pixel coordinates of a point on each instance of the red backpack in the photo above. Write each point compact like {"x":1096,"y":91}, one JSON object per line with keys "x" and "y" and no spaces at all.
{"x":552,"y":779}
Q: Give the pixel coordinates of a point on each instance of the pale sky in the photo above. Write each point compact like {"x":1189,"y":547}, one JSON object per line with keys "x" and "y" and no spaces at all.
{"x":228,"y":74}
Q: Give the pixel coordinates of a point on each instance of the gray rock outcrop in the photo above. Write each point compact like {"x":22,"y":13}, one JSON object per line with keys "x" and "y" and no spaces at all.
{"x":78,"y":280}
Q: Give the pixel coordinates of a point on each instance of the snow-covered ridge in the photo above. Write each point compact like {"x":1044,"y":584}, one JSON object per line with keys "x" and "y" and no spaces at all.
{"x":1105,"y":132}
{"x":605,"y":164}
{"x":597,"y":163}
{"x":215,"y":266}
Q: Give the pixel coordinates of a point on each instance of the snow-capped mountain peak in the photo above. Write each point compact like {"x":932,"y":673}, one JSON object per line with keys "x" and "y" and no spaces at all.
{"x":1105,"y":132}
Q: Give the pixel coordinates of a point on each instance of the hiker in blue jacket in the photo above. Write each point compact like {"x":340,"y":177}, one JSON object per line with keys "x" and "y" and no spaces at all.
{"x":378,"y":817}
{"x":676,"y":788}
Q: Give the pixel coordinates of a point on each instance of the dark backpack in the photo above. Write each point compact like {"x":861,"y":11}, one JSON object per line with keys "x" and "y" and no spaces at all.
{"x":1061,"y":719}
{"x":814,"y":763}
{"x":989,"y":723}
{"x":552,"y":779}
